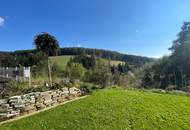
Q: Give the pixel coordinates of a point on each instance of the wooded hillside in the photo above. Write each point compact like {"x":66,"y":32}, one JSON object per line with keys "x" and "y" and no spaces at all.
{"x":107,"y":54}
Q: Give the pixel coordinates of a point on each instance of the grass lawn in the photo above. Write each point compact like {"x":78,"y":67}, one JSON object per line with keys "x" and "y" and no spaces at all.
{"x":113,"y":109}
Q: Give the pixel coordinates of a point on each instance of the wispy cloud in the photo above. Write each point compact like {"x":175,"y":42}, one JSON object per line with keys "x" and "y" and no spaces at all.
{"x":74,"y":44}
{"x":2,"y":21}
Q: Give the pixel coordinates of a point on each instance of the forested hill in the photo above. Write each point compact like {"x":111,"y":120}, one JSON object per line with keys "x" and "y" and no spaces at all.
{"x":3,"y":54}
{"x":112,"y":55}
{"x":107,"y":54}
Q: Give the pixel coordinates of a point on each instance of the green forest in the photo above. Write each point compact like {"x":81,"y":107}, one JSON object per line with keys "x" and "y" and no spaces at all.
{"x":30,"y":56}
{"x":171,"y":72}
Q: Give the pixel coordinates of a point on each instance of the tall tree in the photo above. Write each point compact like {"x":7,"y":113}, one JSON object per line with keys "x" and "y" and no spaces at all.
{"x":46,"y":43}
{"x":49,"y":45}
{"x":181,"y":54}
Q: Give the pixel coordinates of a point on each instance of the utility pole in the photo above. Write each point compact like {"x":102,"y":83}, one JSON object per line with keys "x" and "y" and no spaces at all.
{"x":49,"y":72}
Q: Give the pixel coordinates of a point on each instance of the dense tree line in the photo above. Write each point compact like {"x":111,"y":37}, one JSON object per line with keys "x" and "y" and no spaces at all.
{"x":112,"y":55}
{"x":171,"y":70}
{"x":12,"y":60}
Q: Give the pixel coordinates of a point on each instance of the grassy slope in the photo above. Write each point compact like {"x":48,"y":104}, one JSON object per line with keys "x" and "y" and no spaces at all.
{"x":61,"y":61}
{"x":113,"y":110}
{"x":113,"y":62}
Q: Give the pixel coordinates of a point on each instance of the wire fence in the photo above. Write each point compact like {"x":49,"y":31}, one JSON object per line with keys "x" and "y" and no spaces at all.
{"x":17,"y":73}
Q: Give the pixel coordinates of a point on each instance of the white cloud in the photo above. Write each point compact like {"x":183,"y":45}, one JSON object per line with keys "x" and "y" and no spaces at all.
{"x":2,"y":21}
{"x":74,"y":44}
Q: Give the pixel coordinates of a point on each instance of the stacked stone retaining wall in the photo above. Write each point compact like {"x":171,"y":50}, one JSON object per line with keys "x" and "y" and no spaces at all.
{"x":28,"y":103}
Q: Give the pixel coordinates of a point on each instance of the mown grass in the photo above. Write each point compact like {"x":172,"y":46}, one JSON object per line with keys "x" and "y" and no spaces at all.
{"x":113,"y":109}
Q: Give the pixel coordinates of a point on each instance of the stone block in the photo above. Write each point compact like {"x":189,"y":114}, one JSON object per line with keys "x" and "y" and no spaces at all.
{"x":46,"y":93}
{"x":40,"y":99}
{"x":9,"y":115}
{"x":3,"y":101}
{"x":4,"y":110}
{"x":40,"y":106}
{"x":28,"y":108}
{"x":60,"y":100}
{"x":48,"y":102}
{"x":48,"y":97}
{"x":75,"y":91}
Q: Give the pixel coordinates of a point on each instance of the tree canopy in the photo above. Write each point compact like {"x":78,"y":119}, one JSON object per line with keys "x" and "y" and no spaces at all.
{"x":174,"y":69}
{"x":46,"y":43}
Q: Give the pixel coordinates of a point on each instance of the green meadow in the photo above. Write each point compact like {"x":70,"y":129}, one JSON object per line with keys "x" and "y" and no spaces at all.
{"x":113,"y":109}
{"x":60,"y":61}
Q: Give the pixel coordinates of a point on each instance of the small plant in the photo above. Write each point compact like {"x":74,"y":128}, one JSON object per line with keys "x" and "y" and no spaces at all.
{"x":56,"y":86}
{"x":13,"y":88}
{"x":35,"y":89}
{"x":88,"y":88}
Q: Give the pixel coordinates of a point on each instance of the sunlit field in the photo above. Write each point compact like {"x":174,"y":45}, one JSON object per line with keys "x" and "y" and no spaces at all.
{"x":113,"y":109}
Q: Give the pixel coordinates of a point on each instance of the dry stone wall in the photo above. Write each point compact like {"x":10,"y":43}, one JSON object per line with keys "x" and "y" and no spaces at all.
{"x":28,"y":103}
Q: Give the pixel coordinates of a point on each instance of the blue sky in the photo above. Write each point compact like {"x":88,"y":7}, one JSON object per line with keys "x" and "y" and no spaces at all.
{"x":140,"y":27}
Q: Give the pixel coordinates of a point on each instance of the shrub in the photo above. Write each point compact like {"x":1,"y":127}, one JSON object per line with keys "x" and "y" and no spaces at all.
{"x":13,"y":88}
{"x":75,"y":71}
{"x":56,"y":86}
{"x":88,"y":88}
{"x":35,"y":89}
{"x":100,"y":75}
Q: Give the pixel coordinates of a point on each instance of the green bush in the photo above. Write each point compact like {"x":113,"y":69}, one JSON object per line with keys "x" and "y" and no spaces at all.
{"x":35,"y":89}
{"x":75,"y":71}
{"x":56,"y":86}
{"x":13,"y":88}
{"x":88,"y":88}
{"x":100,"y":75}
